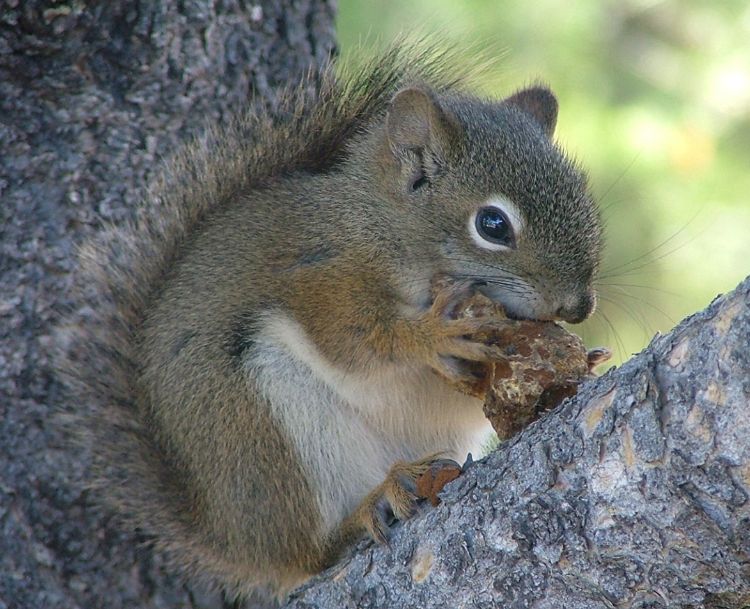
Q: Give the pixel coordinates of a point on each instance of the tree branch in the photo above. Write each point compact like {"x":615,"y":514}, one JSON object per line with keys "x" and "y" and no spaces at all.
{"x":633,"y":494}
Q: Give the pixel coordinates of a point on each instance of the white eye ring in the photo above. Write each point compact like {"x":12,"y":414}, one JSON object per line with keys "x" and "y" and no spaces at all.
{"x":510,"y":211}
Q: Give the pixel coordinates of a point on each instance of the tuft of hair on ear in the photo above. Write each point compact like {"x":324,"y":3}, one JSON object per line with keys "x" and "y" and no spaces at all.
{"x":539,"y":103}
{"x":415,"y":121}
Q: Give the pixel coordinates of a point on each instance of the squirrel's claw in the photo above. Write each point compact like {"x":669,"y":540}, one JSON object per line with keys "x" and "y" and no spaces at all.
{"x":460,"y":372}
{"x":597,"y":356}
{"x":447,"y":298}
{"x":396,"y":497}
{"x":376,"y":518}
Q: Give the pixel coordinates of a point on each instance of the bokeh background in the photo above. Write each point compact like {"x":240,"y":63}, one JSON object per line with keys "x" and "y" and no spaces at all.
{"x":655,"y":102}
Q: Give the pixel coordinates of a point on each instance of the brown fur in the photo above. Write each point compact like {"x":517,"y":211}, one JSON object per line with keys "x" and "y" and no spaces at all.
{"x":314,"y":214}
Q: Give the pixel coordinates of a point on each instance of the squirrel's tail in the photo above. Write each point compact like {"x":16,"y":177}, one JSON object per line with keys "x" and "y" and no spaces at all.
{"x":120,"y":270}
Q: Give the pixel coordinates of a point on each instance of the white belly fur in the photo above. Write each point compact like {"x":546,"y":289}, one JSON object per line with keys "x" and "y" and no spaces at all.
{"x":362,"y":423}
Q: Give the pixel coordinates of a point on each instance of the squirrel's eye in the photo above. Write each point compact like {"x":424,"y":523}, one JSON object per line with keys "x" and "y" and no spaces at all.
{"x":494,"y":226}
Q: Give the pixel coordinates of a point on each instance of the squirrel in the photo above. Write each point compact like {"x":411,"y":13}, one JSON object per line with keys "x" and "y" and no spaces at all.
{"x":257,"y":365}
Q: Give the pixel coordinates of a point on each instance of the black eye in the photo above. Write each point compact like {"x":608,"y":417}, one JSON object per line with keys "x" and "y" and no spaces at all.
{"x":494,"y":226}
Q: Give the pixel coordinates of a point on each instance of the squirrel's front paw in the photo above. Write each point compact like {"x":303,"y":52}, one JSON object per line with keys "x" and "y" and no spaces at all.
{"x":453,"y":354}
{"x":397,"y":496}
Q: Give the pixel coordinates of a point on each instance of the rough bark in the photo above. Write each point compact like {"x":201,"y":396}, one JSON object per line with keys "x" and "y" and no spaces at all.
{"x":634,"y":494}
{"x":91,"y":95}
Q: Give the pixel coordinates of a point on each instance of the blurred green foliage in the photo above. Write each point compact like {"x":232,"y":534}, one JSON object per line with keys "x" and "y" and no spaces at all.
{"x":655,"y":102}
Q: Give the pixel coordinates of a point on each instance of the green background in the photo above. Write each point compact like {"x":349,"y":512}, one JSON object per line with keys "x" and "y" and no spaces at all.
{"x":654,"y":101}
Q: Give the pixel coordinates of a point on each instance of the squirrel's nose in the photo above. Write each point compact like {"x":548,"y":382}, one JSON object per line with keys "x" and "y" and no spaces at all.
{"x":575,"y":308}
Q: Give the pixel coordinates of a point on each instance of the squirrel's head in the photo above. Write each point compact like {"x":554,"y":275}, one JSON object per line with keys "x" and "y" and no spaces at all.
{"x":497,"y":200}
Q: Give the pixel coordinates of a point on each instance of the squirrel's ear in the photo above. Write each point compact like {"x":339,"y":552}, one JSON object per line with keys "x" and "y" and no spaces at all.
{"x":416,"y":121}
{"x":539,"y":103}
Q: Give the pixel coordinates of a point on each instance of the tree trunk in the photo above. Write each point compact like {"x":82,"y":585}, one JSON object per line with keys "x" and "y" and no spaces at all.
{"x":634,"y":494}
{"x":92,"y":94}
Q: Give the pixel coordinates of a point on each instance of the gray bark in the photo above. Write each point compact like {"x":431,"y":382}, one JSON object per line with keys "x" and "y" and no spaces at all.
{"x":634,"y":494}
{"x":91,"y":95}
